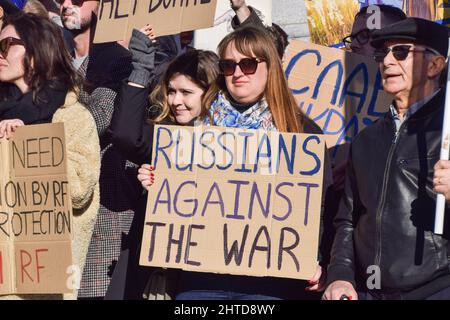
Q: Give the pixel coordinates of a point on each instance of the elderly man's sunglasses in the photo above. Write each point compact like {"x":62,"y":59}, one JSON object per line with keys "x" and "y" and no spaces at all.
{"x":247,"y":65}
{"x":400,"y":52}
{"x":6,"y":43}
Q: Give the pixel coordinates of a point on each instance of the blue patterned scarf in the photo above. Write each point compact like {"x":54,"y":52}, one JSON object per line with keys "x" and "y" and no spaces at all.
{"x":224,"y":114}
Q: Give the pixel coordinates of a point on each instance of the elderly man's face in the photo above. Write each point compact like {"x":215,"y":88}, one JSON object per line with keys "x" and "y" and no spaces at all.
{"x":405,"y":77}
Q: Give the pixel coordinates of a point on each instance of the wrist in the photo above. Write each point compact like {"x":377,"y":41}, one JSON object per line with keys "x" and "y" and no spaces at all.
{"x":243,"y":13}
{"x":139,"y":77}
{"x":138,"y":36}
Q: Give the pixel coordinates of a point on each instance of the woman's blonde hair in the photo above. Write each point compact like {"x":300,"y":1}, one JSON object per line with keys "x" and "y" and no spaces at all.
{"x":199,"y":66}
{"x":253,"y":42}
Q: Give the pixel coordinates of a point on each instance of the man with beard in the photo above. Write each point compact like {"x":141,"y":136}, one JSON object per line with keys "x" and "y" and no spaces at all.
{"x":77,"y":17}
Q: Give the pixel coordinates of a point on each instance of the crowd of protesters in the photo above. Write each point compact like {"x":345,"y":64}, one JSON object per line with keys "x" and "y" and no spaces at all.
{"x":377,"y":208}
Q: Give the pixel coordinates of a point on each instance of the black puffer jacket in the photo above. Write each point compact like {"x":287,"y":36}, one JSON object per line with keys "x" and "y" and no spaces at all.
{"x":386,"y":216}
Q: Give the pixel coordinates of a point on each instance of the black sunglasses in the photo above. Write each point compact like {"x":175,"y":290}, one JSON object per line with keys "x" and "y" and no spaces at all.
{"x":362,"y":37}
{"x":400,"y":52}
{"x":247,"y":65}
{"x":6,"y":43}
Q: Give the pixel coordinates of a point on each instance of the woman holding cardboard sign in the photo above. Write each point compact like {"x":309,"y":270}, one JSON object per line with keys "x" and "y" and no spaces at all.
{"x":39,"y":85}
{"x":252,"y":93}
{"x":179,"y":97}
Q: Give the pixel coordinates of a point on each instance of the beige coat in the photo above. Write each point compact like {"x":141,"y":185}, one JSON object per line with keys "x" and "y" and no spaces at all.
{"x":83,"y":154}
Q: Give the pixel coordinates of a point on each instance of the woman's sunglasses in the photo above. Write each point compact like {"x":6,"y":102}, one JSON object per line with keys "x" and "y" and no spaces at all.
{"x":247,"y":65}
{"x":400,"y":52}
{"x":6,"y":43}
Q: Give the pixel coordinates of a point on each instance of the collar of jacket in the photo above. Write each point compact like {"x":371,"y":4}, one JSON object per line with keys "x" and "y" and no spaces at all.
{"x":71,"y":99}
{"x":427,"y":109}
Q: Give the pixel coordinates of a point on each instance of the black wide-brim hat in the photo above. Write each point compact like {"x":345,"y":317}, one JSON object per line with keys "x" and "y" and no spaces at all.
{"x":9,"y":7}
{"x":421,"y":31}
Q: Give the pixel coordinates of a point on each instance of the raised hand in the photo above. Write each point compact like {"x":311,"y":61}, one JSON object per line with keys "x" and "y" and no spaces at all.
{"x":8,"y":127}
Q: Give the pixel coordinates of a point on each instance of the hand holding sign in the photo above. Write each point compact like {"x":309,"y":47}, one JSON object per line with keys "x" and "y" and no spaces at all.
{"x":441,"y":180}
{"x":317,"y":282}
{"x":337,"y":289}
{"x":142,"y":55}
{"x":8,"y":127}
{"x":146,"y":176}
{"x":148,"y":31}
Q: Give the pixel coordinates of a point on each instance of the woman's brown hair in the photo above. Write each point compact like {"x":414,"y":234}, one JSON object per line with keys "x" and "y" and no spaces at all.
{"x":47,"y":61}
{"x":253,"y":42}
{"x":199,"y":66}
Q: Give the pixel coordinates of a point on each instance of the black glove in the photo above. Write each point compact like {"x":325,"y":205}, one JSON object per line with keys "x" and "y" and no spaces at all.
{"x":143,"y":58}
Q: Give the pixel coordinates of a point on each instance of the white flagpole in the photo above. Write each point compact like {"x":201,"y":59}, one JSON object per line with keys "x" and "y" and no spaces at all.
{"x":445,"y":152}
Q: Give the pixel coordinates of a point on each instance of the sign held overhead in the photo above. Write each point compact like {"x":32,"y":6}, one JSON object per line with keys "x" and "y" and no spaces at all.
{"x":117,"y":18}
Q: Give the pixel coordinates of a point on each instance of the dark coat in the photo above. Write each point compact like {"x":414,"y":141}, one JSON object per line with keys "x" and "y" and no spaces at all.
{"x":121,"y":192}
{"x":104,"y":69}
{"x":386,"y":216}
{"x":130,"y":131}
{"x":132,"y":135}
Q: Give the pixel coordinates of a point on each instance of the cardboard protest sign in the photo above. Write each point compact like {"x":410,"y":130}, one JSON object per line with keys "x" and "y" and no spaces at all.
{"x":35,"y":212}
{"x":117,"y":18}
{"x":340,"y":91}
{"x":208,"y":39}
{"x":233,"y":201}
